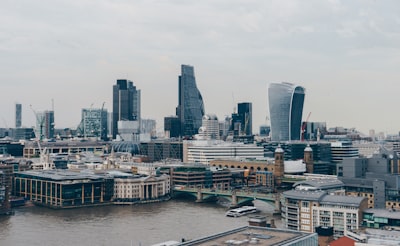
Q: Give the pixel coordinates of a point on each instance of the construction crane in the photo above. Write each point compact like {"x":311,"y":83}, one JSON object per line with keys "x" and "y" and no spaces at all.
{"x":303,"y":127}
{"x":39,"y":121}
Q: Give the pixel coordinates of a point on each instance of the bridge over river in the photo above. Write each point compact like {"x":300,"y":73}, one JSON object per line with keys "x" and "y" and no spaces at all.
{"x":236,"y":197}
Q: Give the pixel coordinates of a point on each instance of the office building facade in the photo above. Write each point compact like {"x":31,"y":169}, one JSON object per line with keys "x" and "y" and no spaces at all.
{"x":190,"y":108}
{"x":18,"y":115}
{"x":45,"y":124}
{"x":94,"y":123}
{"x":126,"y":104}
{"x":286,"y":109}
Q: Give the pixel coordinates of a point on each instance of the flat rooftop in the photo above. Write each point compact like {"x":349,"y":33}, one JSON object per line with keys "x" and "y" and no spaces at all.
{"x":251,"y":235}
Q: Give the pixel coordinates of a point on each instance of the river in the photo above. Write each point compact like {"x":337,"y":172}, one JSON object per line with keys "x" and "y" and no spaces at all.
{"x":143,"y":224}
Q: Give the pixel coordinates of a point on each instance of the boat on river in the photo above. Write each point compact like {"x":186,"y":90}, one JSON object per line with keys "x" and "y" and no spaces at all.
{"x":237,"y":212}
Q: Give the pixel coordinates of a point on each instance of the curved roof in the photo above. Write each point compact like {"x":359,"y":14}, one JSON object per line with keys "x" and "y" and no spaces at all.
{"x":321,"y":184}
{"x":126,"y":147}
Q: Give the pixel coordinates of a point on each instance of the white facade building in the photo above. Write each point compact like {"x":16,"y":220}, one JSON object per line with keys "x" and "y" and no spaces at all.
{"x":206,"y":151}
{"x":209,"y":128}
{"x":133,"y":189}
{"x":305,"y":210}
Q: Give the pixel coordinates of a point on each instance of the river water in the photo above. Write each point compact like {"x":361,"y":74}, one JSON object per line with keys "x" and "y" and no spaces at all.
{"x":143,"y":224}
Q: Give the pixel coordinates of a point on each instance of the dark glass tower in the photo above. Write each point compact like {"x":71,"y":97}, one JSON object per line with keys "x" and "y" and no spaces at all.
{"x":190,"y":108}
{"x":126,"y":103}
{"x":18,"y":115}
{"x":286,"y":109}
{"x":245,"y":114}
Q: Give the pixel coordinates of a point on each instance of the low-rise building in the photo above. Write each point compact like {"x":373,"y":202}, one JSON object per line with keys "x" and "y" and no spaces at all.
{"x":305,"y":210}
{"x":133,"y":189}
{"x":63,"y":188}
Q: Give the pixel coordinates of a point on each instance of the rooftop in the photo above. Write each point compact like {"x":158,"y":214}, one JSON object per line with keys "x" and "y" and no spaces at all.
{"x":384,"y":213}
{"x":251,"y":235}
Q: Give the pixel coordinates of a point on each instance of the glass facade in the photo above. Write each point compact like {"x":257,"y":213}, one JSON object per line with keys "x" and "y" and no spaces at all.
{"x":286,"y":109}
{"x":126,"y":103}
{"x":70,"y":192}
{"x":190,"y":108}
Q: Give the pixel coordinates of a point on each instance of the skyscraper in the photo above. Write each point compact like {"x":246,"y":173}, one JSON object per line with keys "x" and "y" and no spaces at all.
{"x":243,"y":119}
{"x":18,"y":115}
{"x":126,"y":103}
{"x":190,"y":108}
{"x":286,"y":109}
{"x":45,"y":124}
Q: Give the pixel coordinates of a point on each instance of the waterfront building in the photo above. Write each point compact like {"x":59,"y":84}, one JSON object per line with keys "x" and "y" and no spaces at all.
{"x":249,"y":235}
{"x":305,"y":210}
{"x":126,"y":104}
{"x":130,"y":189}
{"x":209,"y":128}
{"x":63,"y":188}
{"x":190,"y":109}
{"x":18,"y":115}
{"x":205,"y":151}
{"x":286,"y":109}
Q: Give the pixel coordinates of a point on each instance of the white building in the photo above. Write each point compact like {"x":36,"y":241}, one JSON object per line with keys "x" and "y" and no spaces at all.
{"x":131,"y":189}
{"x":206,"y":151}
{"x":304,"y":210}
{"x":209,"y":128}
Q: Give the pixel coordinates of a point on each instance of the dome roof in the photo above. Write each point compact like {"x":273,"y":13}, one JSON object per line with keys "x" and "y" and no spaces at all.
{"x":279,"y":149}
{"x":126,"y":147}
{"x":210,"y":117}
{"x":308,"y":148}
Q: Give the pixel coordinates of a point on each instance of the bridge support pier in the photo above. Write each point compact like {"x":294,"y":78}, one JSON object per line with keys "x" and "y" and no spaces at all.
{"x":199,"y":196}
{"x":234,"y":202}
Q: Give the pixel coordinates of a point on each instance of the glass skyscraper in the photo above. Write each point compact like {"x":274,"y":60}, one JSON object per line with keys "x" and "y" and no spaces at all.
{"x":190,"y":108}
{"x":286,"y":109}
{"x":126,"y":103}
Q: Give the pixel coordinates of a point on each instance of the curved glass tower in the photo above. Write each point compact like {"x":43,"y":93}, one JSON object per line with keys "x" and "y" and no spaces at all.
{"x":190,"y":109}
{"x":286,"y":109}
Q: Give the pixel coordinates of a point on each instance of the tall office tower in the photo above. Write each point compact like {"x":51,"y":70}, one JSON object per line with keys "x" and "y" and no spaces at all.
{"x":244,"y":117}
{"x":126,"y":103}
{"x":18,"y":115}
{"x":286,"y":109}
{"x":190,"y":108}
{"x":45,"y":124}
{"x":172,"y":127}
{"x":94,"y":123}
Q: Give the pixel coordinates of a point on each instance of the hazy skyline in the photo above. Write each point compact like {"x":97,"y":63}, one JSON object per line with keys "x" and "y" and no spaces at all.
{"x":345,"y":53}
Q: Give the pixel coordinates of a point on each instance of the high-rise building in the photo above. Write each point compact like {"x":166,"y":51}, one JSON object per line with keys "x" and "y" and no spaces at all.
{"x":126,"y":103}
{"x":18,"y":115}
{"x":190,"y":108}
{"x":45,"y":124}
{"x":286,"y":109}
{"x":94,"y":123}
{"x":242,"y":121}
{"x":172,"y":127}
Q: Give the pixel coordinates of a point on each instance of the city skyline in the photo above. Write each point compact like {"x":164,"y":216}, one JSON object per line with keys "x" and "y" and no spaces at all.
{"x":345,"y":55}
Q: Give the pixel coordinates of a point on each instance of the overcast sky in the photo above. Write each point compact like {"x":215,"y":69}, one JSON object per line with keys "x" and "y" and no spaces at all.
{"x":345,"y":53}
